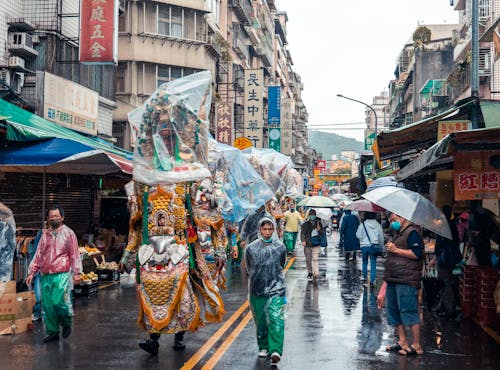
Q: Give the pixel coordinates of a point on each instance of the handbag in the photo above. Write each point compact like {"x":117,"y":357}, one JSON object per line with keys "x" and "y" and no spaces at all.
{"x":316,"y":240}
{"x":375,"y":249}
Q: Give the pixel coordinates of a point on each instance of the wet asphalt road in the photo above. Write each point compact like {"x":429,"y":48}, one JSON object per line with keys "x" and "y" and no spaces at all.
{"x":332,"y":325}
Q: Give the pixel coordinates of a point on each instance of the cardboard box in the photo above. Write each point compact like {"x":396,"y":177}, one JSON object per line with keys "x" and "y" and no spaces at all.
{"x":15,"y":309}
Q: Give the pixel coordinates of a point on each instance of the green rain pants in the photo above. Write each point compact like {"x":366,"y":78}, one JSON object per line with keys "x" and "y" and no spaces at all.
{"x":269,"y":316}
{"x":56,"y":301}
{"x":290,"y":239}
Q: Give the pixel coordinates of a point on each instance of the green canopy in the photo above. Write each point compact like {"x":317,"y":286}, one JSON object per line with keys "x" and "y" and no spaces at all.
{"x":26,"y":126}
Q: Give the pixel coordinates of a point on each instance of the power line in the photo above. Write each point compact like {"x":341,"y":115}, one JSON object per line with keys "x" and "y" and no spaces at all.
{"x":335,"y":128}
{"x":336,"y":124}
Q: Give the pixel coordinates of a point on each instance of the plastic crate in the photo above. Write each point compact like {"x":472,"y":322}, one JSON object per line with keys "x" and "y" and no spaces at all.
{"x":108,"y":275}
{"x":86,"y":290}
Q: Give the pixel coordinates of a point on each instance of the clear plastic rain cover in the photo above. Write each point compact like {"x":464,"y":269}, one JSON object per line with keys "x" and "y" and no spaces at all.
{"x":171,"y":132}
{"x":7,"y":242}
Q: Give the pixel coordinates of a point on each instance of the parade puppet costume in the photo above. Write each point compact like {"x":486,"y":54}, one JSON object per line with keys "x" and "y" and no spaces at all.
{"x":167,"y":241}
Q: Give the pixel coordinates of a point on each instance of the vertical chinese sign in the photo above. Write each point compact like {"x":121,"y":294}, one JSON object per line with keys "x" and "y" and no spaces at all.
{"x":98,"y":33}
{"x":274,"y":117}
{"x":286,"y":126}
{"x":224,"y":123}
{"x":253,"y":121}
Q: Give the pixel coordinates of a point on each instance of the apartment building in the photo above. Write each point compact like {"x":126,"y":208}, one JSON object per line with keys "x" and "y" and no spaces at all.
{"x":40,"y":47}
{"x":420,"y":89}
{"x":489,"y":65}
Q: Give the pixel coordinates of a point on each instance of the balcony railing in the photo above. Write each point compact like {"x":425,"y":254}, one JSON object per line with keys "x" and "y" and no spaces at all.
{"x":243,"y":10}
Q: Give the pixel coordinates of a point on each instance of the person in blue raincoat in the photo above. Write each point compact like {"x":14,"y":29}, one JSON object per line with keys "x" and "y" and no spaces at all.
{"x":265,"y":259}
{"x":348,"y":240}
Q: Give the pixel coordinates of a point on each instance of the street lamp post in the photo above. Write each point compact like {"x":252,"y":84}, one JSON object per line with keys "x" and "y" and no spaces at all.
{"x":374,"y":172}
{"x":366,"y":105}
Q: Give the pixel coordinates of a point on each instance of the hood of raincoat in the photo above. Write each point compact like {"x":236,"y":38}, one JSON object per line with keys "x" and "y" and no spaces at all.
{"x":274,"y":236}
{"x":264,"y":263}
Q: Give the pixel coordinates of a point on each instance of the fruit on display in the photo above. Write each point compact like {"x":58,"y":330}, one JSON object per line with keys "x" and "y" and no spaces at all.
{"x":107,"y":266}
{"x":87,"y":249}
{"x":88,"y":277}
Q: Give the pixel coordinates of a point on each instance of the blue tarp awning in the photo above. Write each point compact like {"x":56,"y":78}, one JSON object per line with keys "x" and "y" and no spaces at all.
{"x":60,"y":156}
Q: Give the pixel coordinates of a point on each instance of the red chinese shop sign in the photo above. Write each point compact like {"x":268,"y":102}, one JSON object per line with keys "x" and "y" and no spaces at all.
{"x":476,"y":184}
{"x":224,"y":123}
{"x":97,"y":31}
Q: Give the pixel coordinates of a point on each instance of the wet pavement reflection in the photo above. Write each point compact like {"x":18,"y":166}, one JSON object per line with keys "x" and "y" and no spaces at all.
{"x":334,"y":324}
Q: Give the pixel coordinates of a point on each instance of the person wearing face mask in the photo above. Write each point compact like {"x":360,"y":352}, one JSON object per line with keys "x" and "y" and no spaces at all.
{"x":292,"y":222}
{"x":58,"y":260}
{"x":265,"y":259}
{"x":403,"y":275}
{"x":310,"y":235}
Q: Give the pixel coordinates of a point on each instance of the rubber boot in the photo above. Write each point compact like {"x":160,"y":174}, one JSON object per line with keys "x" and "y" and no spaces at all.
{"x":179,"y":341}
{"x":151,"y":345}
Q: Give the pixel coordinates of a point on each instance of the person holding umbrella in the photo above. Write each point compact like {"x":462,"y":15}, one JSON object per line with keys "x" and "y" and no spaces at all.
{"x":403,"y":275}
{"x":310,"y":235}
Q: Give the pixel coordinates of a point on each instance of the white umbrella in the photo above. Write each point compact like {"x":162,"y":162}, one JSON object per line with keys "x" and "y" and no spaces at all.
{"x":412,"y":206}
{"x":323,"y":213}
{"x":317,"y":201}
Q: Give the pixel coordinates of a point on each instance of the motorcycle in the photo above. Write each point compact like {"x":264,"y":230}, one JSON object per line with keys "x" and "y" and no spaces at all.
{"x":333,"y":225}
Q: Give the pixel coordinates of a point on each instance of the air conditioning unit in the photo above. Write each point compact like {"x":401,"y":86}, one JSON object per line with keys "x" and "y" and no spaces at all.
{"x":16,"y":62}
{"x":4,"y":79}
{"x":20,"y":39}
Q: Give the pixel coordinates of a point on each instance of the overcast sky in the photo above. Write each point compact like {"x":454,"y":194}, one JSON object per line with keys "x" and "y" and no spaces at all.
{"x":350,"y":48}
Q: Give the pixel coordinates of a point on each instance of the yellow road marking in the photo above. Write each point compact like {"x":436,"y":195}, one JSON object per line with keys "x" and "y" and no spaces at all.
{"x":209,"y":343}
{"x":227,"y":343}
{"x":488,"y":331}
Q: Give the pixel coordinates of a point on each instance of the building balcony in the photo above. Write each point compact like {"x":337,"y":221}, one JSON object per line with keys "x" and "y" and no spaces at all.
{"x":266,"y":55}
{"x":161,"y":49}
{"x":241,"y":48}
{"x":213,"y":46}
{"x":243,"y":10}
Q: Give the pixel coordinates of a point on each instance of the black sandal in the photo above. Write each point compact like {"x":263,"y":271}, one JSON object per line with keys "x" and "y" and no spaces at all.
{"x":394,"y":347}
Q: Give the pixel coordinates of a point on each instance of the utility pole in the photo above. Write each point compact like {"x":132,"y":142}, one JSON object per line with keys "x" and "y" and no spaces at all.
{"x":474,"y":83}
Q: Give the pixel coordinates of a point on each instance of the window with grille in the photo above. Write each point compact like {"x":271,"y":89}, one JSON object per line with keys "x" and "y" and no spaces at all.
{"x":484,"y":8}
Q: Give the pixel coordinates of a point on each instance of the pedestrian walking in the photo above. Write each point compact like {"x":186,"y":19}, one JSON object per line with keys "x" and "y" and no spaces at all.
{"x":58,"y":260}
{"x":447,"y":255}
{"x":371,"y":240}
{"x":348,"y":240}
{"x":265,"y":259}
{"x":403,"y":275}
{"x":292,"y":223}
{"x":310,"y":235}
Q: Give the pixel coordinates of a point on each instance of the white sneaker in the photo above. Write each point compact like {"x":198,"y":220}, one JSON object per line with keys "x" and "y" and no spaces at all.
{"x":263,"y":353}
{"x":275,"y":358}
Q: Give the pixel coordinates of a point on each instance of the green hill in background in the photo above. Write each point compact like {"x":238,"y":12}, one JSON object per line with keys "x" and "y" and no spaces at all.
{"x":328,"y":143}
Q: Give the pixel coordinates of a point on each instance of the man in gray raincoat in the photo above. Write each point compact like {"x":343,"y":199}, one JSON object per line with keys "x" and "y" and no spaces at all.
{"x":265,"y":259}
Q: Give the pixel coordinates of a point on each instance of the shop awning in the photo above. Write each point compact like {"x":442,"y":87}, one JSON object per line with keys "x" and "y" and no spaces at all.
{"x":22,"y":125}
{"x":414,"y":138}
{"x":491,"y":112}
{"x":61,"y":156}
{"x":440,"y":155}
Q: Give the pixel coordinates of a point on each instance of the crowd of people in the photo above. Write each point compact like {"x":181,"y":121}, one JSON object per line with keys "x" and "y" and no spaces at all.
{"x":264,"y":253}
